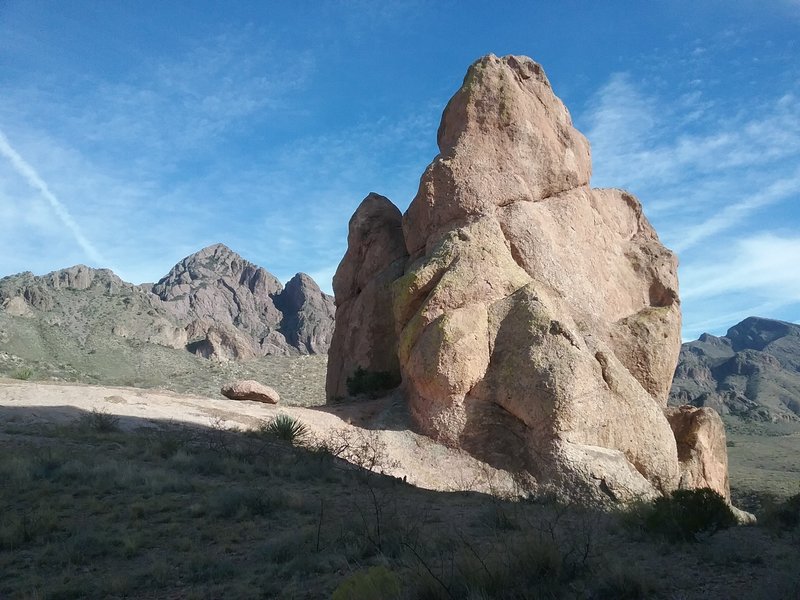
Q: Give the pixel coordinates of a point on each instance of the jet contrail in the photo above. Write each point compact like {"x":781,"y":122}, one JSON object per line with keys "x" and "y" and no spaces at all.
{"x":36,"y":182}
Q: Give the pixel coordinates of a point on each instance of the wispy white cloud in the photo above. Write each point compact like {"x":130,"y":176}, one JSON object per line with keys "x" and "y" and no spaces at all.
{"x":763,"y":265}
{"x":758,"y":276}
{"x":167,"y":109}
{"x":283,"y":204}
{"x":733,"y":214}
{"x":142,"y":158}
{"x":709,"y":176}
{"x":24,"y":169}
{"x":654,"y":143}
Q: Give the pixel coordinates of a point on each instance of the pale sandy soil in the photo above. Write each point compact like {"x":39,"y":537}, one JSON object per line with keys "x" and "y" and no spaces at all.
{"x":421,"y":461}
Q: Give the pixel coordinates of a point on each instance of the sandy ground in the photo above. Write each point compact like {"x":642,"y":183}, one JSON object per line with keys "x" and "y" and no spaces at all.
{"x":421,"y":461}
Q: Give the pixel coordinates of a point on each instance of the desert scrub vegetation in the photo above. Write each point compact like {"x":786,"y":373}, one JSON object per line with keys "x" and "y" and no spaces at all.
{"x":99,"y":420}
{"x":286,"y":428}
{"x":684,"y":515}
{"x":24,"y":373}
{"x":782,"y":515}
{"x":93,"y":512}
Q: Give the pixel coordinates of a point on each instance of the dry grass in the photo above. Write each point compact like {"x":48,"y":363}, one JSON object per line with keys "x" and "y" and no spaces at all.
{"x":764,"y":462}
{"x":87,"y":511}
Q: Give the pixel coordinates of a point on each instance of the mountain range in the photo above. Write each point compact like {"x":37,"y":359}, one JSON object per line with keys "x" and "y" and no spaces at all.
{"x":752,"y":372}
{"x":217,"y":305}
{"x":213,"y":303}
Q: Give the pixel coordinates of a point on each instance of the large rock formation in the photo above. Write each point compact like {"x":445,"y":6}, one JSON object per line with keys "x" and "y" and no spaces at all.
{"x":753,"y":372}
{"x":702,"y":448}
{"x":376,"y":255}
{"x":537,"y":319}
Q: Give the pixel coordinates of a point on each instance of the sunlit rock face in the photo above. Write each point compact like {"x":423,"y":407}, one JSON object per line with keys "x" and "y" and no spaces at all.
{"x":537,"y":320}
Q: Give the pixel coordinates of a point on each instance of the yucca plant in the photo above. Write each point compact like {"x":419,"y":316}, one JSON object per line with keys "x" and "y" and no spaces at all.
{"x":286,"y":428}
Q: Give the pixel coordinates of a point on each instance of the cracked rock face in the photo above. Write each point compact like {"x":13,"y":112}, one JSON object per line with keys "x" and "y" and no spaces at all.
{"x":537,"y":319}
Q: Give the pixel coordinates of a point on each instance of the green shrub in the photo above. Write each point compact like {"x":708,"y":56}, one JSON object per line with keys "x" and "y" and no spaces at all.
{"x":624,"y":582}
{"x":23,"y":374}
{"x":783,"y":516}
{"x":286,"y":428}
{"x":100,"y":421}
{"x":371,"y":383}
{"x":376,"y":583}
{"x":686,"y":513}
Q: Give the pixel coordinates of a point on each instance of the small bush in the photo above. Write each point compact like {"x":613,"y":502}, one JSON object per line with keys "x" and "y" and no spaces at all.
{"x":237,"y":503}
{"x":286,"y":428}
{"x":624,"y":583}
{"x":783,"y":516}
{"x":167,"y":443}
{"x":23,"y":374}
{"x":362,"y":449}
{"x":100,"y":421}
{"x":685,"y":514}
{"x":375,"y":582}
{"x":371,"y":383}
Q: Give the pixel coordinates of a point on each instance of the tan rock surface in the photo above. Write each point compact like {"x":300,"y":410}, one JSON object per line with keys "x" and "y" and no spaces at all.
{"x":538,"y":319}
{"x":421,"y":461}
{"x":504,"y":114}
{"x":702,"y":452}
{"x":247,"y":389}
{"x":16,"y":307}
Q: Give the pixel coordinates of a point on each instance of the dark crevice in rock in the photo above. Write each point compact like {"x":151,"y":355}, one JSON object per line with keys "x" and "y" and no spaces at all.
{"x":516,"y":255}
{"x":603,"y":487}
{"x":556,"y":328}
{"x":661,"y":296}
{"x":602,"y":359}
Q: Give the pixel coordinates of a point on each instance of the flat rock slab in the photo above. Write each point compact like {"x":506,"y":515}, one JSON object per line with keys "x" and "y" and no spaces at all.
{"x":418,"y":459}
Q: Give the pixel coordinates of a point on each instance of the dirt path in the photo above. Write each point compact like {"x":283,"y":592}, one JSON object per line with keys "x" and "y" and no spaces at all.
{"x":379,"y":423}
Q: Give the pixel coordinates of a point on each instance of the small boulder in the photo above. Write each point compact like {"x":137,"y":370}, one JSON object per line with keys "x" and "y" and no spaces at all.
{"x":247,"y":389}
{"x":702,"y":448}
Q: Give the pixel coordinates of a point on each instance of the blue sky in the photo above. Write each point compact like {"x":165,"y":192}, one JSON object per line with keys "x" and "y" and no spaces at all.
{"x":133,"y":134}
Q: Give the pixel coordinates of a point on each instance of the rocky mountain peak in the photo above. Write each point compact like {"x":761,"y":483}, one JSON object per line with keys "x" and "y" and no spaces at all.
{"x":755,"y":333}
{"x":239,"y":310}
{"x":307,"y":314}
{"x":211,"y":264}
{"x":752,"y":372}
{"x":299,"y":290}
